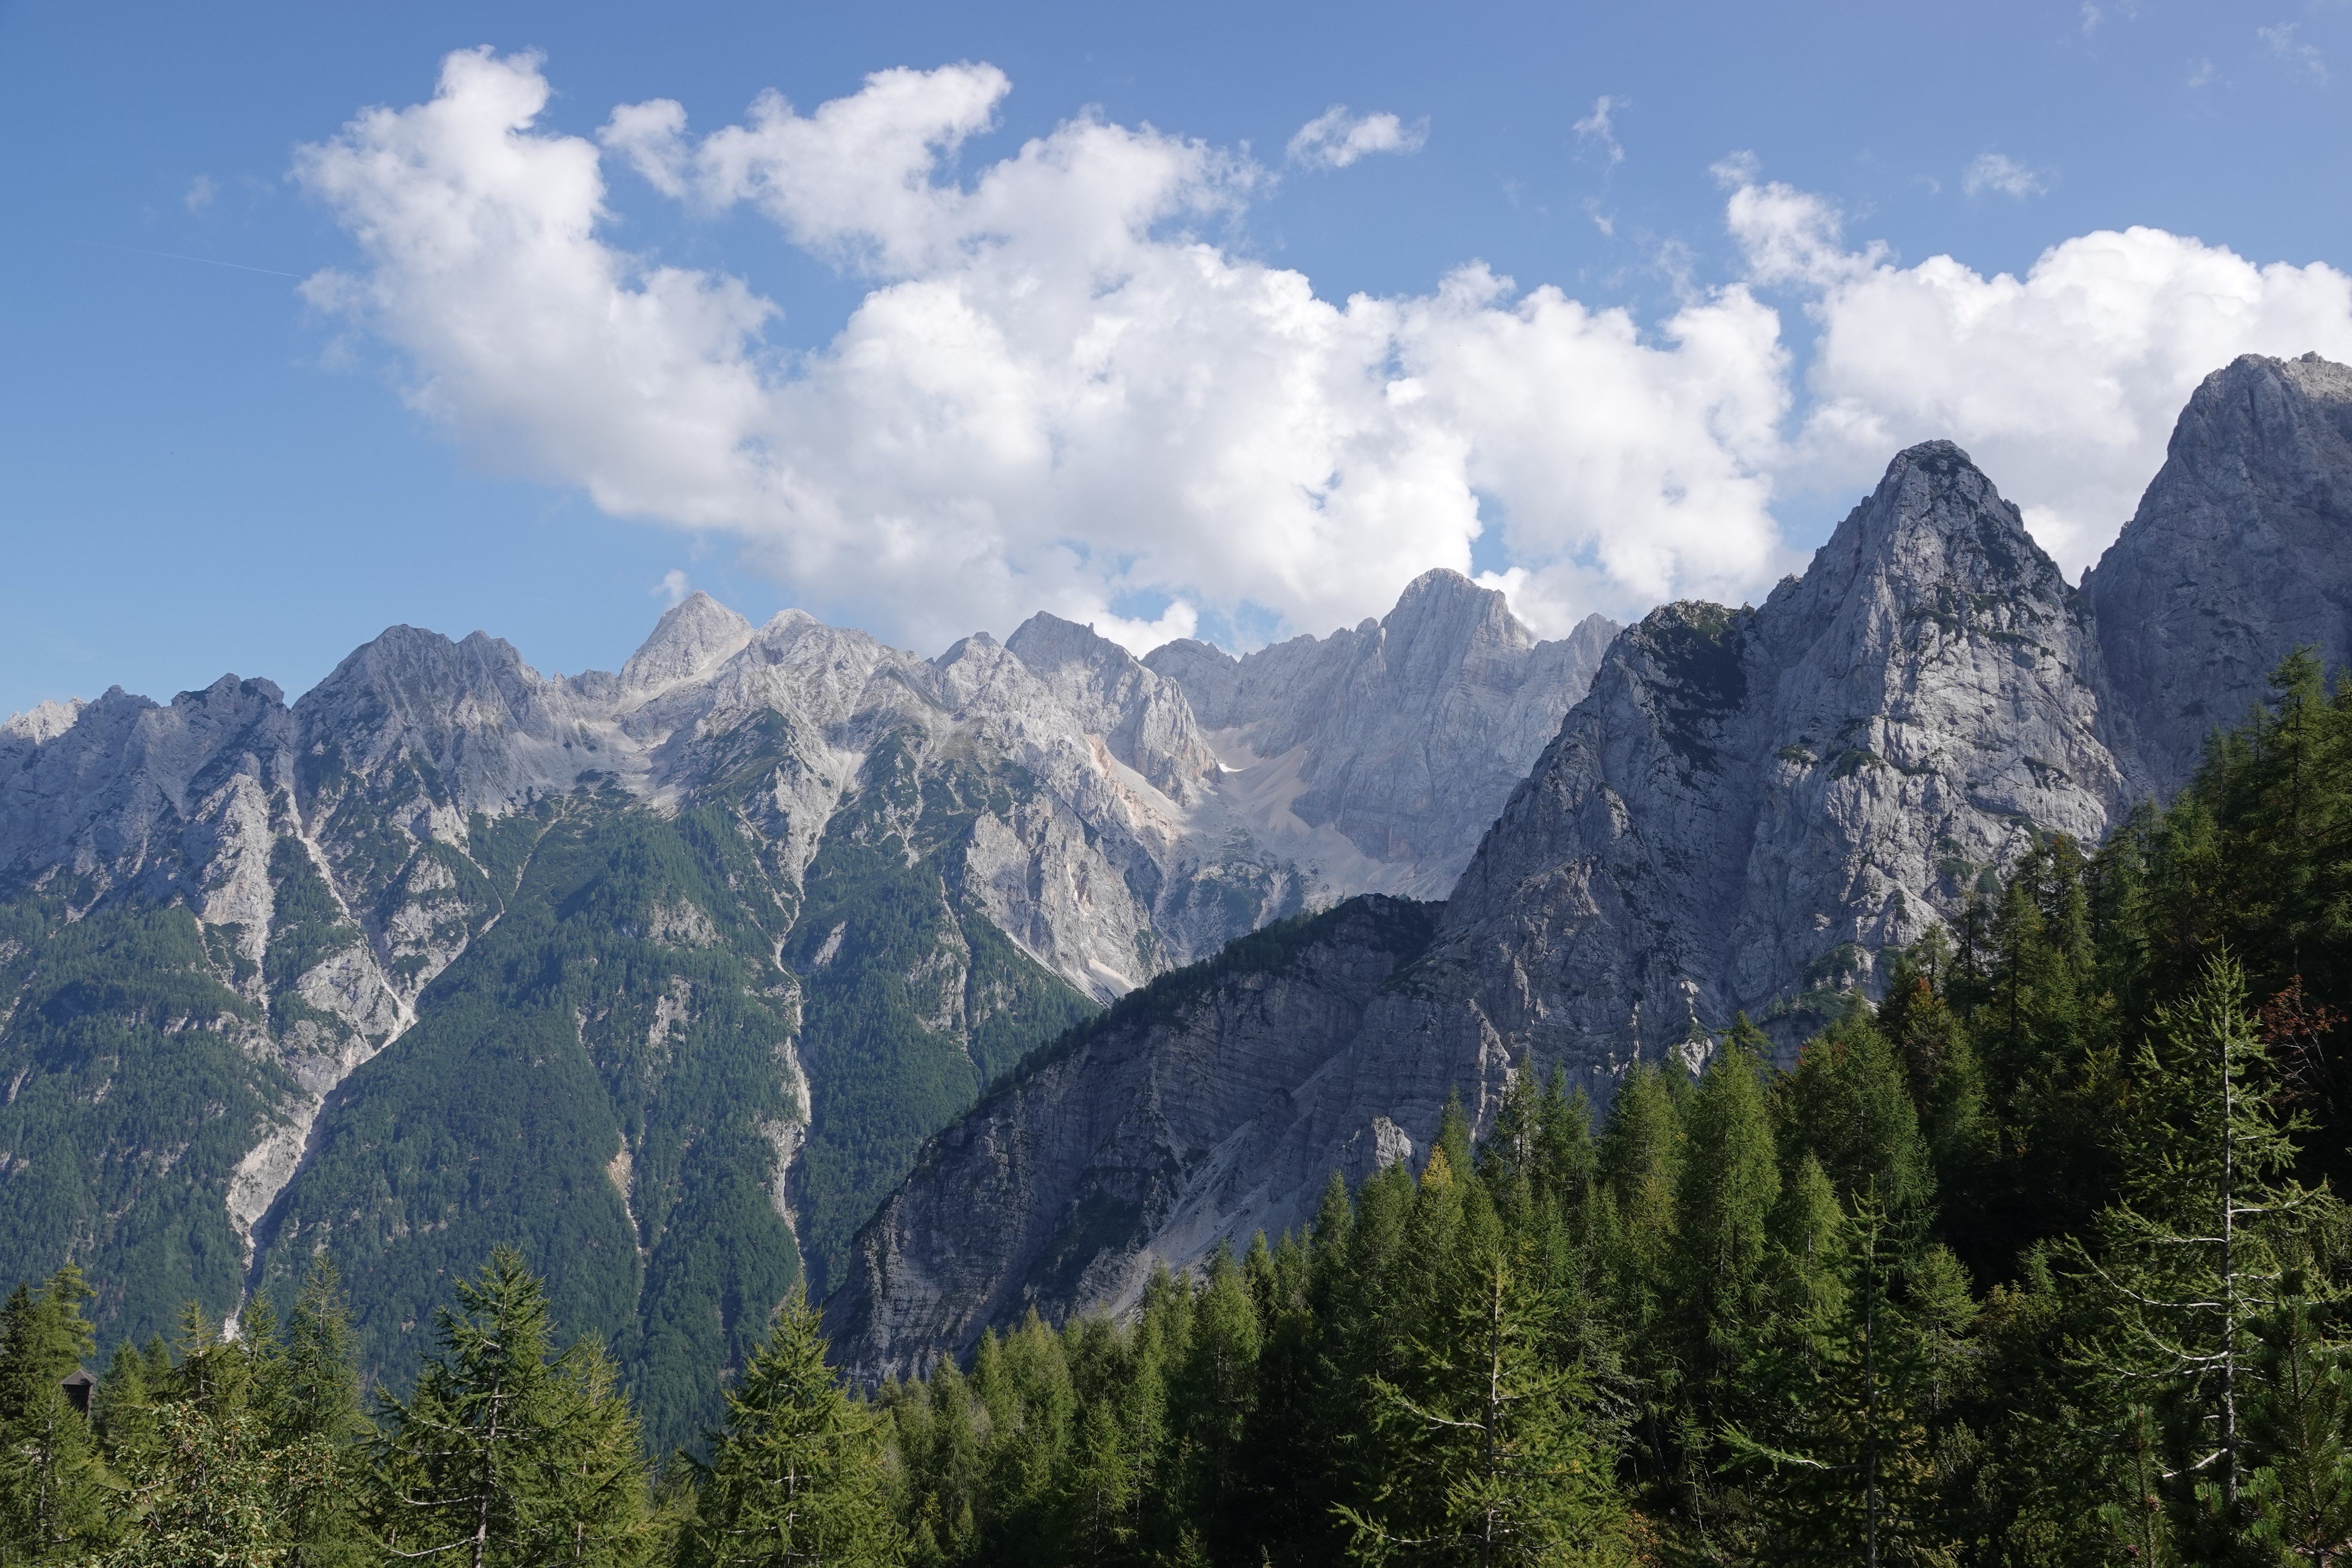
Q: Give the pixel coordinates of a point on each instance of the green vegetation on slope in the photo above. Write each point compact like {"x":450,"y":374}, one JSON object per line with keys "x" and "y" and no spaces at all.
{"x":914,"y":1001}
{"x":592,"y":1080}
{"x":605,"y":1076}
{"x":127,"y":1096}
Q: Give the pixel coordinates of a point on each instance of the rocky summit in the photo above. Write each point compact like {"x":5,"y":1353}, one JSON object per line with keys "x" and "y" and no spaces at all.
{"x":1747,"y":812}
{"x":668,"y":972}
{"x":2235,"y":557}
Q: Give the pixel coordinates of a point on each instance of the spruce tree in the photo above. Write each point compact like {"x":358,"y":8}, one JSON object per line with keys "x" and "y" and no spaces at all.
{"x":1729,"y":1182}
{"x":2191,"y":1260}
{"x":52,"y":1491}
{"x":219,"y":1470}
{"x":1841,"y":1455}
{"x":796,"y":1476}
{"x":503,"y":1455}
{"x":309,"y":1390}
{"x":2299,"y":1435}
{"x":1491,"y":1462}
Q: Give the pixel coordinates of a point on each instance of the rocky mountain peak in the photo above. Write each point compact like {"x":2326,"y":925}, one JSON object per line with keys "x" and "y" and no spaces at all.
{"x":2237,"y":555}
{"x":1934,"y":528}
{"x":694,"y":637}
{"x":1394,"y":739}
{"x":1441,"y":597}
{"x":1142,"y":716}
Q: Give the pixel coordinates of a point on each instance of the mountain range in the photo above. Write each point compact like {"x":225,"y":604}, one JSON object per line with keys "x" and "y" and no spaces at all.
{"x":1750,"y":810}
{"x":955,"y":987}
{"x":667,"y":974}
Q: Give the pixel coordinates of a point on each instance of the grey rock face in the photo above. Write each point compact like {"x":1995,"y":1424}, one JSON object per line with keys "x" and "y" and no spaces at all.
{"x":2241,"y":550}
{"x":1142,"y":718}
{"x":1751,"y":805}
{"x":1748,"y":807}
{"x":1208,"y":1097}
{"x":1399,"y":736}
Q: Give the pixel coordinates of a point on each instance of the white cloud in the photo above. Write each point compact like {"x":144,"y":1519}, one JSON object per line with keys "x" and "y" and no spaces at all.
{"x":2063,"y":385}
{"x":1056,"y":395}
{"x":1786,"y":234}
{"x":1334,"y":138}
{"x":2304,"y":58}
{"x":1595,"y":126}
{"x":1053,"y":397}
{"x":200,"y":193}
{"x":1999,"y":172}
{"x":673,"y":588}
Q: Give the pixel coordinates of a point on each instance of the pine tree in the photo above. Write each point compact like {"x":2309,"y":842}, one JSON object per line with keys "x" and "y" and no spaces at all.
{"x":1849,"y":1105}
{"x":1640,"y":1164}
{"x":1839,"y":1454}
{"x":936,"y":1427}
{"x":1095,"y":1513}
{"x":310,"y":1389}
{"x":1022,"y":1383}
{"x":214,"y":1474}
{"x":503,"y":1456}
{"x":1729,"y":1182}
{"x":1213,"y":1389}
{"x":2299,"y":1434}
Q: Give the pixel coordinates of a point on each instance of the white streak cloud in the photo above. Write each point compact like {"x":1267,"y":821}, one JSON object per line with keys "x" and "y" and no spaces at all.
{"x":2304,"y":60}
{"x":2002,"y":175}
{"x":1334,"y":138}
{"x":1056,"y":395}
{"x":1595,"y":126}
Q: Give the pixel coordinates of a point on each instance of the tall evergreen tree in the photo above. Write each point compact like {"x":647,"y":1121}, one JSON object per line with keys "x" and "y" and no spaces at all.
{"x":51,"y":1489}
{"x":309,"y":1390}
{"x":1491,"y":1462}
{"x":2190,"y":1261}
{"x":797,"y":1474}
{"x":504,"y":1454}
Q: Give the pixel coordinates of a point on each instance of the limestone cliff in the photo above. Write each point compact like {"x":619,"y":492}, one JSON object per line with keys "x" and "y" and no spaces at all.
{"x":2240,"y":552}
{"x":1381,"y":752}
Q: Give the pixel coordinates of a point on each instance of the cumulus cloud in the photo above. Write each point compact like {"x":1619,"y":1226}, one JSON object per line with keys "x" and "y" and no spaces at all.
{"x":1334,"y":138}
{"x":2063,"y":385}
{"x":673,"y":588}
{"x":1999,"y":172}
{"x":1056,"y":395}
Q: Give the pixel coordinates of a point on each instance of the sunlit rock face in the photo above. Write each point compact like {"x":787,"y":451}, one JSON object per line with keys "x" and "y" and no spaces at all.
{"x":2240,"y":552}
{"x":1383,"y":752}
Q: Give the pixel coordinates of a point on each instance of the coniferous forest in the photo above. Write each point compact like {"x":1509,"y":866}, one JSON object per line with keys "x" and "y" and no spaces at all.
{"x":2040,"y":1260}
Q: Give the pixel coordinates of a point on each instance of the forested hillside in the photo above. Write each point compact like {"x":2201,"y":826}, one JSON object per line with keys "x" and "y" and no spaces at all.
{"x":2040,"y":1262}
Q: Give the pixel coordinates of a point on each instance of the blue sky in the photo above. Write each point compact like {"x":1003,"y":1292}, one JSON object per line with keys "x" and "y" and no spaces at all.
{"x":899,"y":388}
